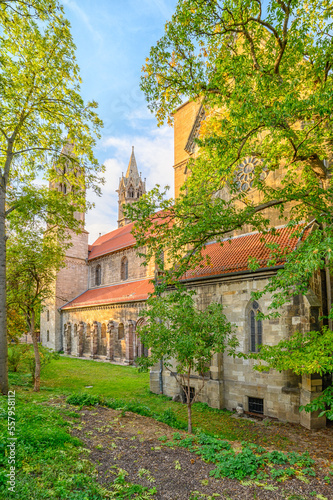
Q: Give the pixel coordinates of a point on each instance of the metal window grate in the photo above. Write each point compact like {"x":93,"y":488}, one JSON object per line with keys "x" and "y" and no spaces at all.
{"x":256,"y":405}
{"x":192,"y":394}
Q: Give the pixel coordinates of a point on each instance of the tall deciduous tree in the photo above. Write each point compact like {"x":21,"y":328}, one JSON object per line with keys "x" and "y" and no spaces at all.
{"x":185,"y":338}
{"x":35,"y":253}
{"x":263,"y":72}
{"x":264,"y":75}
{"x":41,"y":111}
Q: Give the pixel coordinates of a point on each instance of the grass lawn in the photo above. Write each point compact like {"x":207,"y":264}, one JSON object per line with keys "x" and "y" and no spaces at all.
{"x":70,"y":375}
{"x":51,"y":463}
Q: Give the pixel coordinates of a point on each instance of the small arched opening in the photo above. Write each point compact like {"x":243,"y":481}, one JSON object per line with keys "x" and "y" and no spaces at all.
{"x":98,"y":275}
{"x":124,"y":269}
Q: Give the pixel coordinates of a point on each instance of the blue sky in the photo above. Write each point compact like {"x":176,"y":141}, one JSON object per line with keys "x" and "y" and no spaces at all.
{"x":113,"y":39}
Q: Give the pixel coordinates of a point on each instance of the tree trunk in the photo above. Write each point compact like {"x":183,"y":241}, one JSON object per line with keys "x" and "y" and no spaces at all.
{"x":36,"y":352}
{"x":189,"y":417}
{"x":3,"y":323}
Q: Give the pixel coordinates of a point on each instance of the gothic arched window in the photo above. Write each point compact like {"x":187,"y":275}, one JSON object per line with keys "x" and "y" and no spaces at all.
{"x":130,"y":192}
{"x":255,"y":328}
{"x":124,"y":269}
{"x":98,"y":275}
{"x":139,"y":193}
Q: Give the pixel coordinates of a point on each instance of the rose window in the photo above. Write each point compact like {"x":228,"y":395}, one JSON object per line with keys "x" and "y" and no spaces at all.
{"x":245,"y":173}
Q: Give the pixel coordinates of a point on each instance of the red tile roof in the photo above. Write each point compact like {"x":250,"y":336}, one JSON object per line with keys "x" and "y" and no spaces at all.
{"x":124,"y":292}
{"x":233,"y":255}
{"x":110,"y":242}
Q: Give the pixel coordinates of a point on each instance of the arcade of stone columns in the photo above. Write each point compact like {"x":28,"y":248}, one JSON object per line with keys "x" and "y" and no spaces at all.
{"x":110,"y":341}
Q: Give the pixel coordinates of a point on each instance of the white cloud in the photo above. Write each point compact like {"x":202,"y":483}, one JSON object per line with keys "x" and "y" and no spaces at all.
{"x":71,"y":4}
{"x":154,"y":157}
{"x":164,"y":9}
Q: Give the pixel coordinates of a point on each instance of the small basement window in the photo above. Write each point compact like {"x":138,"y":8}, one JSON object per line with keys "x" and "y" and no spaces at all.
{"x":192,"y":394}
{"x":256,"y":405}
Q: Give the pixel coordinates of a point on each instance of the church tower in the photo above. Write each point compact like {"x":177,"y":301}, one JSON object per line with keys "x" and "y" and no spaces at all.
{"x":73,"y":278}
{"x":131,"y":188}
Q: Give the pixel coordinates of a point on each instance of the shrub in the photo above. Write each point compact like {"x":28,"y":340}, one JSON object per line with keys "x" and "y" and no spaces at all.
{"x":46,"y":356}
{"x":244,"y":464}
{"x":17,"y":354}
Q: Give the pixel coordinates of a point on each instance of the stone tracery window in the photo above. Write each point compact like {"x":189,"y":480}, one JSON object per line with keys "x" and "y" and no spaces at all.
{"x":130,"y":192}
{"x":245,"y":173}
{"x":255,"y":328}
{"x":124,"y":269}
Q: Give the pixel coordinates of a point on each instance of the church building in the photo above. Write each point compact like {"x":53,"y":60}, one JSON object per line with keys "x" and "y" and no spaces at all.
{"x":101,"y":292}
{"x":100,"y":296}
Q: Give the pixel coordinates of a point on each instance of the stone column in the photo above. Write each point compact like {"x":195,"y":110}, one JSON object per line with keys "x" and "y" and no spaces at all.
{"x":94,"y":334}
{"x":80,"y":339}
{"x":67,"y":338}
{"x":112,"y":329}
{"x":312,"y":386}
{"x":129,"y":330}
{"x":214,"y":386}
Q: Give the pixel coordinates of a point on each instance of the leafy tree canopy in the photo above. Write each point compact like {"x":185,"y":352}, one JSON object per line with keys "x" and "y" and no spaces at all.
{"x":263,"y":73}
{"x":265,"y":79}
{"x":43,"y":122}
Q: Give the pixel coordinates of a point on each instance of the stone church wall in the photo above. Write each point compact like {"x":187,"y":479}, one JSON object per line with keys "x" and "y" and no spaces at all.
{"x":111,"y":267}
{"x":105,"y":332}
{"x":70,"y":282}
{"x":232,"y":380}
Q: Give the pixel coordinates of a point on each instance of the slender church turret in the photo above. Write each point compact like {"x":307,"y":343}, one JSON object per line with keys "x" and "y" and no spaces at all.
{"x":131,"y":188}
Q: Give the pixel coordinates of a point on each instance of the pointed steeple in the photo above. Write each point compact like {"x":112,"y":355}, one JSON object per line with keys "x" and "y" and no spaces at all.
{"x":131,"y":188}
{"x":132,"y":169}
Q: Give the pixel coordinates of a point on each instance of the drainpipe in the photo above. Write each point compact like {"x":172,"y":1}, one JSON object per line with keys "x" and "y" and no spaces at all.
{"x":161,"y":376}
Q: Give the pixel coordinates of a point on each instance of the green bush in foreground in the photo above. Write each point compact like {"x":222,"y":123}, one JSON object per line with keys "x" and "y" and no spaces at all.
{"x":22,"y":356}
{"x":249,"y":462}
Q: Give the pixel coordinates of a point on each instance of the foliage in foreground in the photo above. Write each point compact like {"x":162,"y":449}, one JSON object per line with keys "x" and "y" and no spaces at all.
{"x":22,"y":356}
{"x":303,"y":353}
{"x":50,"y":463}
{"x":252,"y":461}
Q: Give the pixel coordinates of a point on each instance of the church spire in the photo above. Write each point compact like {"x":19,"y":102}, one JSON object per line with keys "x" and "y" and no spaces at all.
{"x":132,"y":169}
{"x":131,"y":188}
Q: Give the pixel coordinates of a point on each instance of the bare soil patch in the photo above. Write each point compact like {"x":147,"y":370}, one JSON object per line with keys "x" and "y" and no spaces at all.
{"x":130,"y":442}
